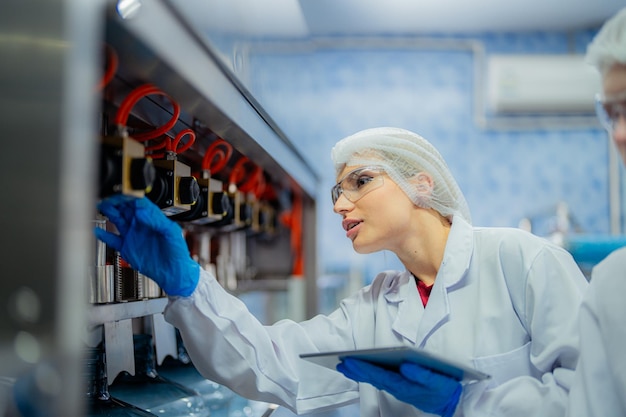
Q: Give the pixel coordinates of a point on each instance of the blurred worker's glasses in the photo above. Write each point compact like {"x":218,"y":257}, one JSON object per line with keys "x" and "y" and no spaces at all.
{"x":355,"y":184}
{"x":610,"y":108}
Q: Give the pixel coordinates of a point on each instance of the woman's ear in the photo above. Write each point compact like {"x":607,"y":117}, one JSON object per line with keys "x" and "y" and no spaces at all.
{"x":423,"y":183}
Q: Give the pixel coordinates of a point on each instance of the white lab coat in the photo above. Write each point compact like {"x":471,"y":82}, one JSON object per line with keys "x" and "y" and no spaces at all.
{"x":504,"y":301}
{"x":599,"y":387}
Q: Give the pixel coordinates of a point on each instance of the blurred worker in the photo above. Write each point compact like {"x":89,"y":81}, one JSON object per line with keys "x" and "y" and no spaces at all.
{"x":599,"y":387}
{"x":499,"y":299}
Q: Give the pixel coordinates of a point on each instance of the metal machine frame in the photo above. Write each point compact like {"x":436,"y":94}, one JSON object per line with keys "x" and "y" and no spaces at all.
{"x":50,"y":53}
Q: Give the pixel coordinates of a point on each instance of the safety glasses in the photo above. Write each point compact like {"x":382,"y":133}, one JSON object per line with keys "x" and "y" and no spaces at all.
{"x":610,"y":108}
{"x":355,"y":184}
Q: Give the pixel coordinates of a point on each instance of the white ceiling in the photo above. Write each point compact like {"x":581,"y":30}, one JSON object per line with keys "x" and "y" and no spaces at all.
{"x":367,"y":16}
{"x":298,"y":18}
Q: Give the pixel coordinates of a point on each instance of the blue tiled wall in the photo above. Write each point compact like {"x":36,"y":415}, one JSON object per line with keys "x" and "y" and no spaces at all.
{"x":319,"y":96}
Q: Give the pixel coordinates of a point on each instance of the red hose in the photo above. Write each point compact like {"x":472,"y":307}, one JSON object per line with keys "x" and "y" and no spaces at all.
{"x":246,"y":180}
{"x":173,"y":145}
{"x":219,"y":151}
{"x":121,"y":117}
{"x":112,"y":62}
{"x":161,"y":145}
{"x":293,"y":219}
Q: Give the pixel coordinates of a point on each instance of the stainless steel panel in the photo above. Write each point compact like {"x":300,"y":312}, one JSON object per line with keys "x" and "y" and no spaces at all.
{"x":164,"y":336}
{"x":120,"y":354}
{"x":48,"y":52}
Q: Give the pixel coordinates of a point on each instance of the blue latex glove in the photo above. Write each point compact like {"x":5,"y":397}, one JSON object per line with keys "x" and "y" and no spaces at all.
{"x":427,"y":390}
{"x":150,"y":242}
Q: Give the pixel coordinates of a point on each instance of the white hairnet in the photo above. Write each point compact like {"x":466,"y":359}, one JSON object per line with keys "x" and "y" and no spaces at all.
{"x":609,"y":45}
{"x":403,"y":155}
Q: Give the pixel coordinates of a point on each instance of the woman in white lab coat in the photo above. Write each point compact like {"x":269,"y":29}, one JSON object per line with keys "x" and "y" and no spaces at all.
{"x":599,"y":387}
{"x":499,"y":299}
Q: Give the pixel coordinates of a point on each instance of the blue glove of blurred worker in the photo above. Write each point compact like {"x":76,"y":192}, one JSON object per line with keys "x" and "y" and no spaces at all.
{"x":150,"y":242}
{"x":427,"y":390}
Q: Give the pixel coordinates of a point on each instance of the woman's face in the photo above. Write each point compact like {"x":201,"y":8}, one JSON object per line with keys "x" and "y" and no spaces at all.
{"x":614,"y":85}
{"x":375,"y":211}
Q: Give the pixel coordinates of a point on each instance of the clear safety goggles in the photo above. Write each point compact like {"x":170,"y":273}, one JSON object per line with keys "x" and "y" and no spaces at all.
{"x":610,"y":108}
{"x":355,"y":184}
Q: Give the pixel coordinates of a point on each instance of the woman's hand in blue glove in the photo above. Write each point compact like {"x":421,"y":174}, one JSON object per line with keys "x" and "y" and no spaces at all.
{"x":427,"y":390}
{"x":150,"y":242}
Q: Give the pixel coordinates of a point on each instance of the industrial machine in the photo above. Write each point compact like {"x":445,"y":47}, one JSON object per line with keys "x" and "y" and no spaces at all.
{"x":124,"y":97}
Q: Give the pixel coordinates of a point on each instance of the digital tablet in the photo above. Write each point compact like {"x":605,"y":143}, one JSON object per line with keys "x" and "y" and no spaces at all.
{"x":392,"y":357}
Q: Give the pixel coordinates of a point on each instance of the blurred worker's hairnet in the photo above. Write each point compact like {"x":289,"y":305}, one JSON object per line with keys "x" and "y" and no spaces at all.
{"x":609,"y":45}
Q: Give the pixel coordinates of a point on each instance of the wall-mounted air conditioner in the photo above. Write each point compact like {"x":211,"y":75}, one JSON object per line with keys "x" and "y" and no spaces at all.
{"x":556,"y":84}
